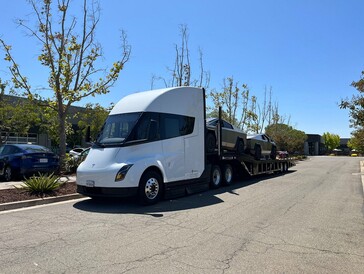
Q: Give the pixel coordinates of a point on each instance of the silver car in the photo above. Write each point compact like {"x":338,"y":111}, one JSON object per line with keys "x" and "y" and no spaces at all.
{"x":233,"y":139}
{"x":261,"y":146}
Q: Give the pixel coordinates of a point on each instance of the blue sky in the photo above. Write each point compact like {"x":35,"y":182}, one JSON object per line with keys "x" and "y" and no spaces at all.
{"x":308,"y":51}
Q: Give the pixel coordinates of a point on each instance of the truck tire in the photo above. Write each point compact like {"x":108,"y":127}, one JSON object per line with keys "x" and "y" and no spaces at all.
{"x":150,"y":188}
{"x":210,"y":142}
{"x":216,"y":177}
{"x":228,"y":174}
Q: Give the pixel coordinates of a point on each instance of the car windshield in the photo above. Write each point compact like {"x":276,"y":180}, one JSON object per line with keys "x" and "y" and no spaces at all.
{"x":117,"y":128}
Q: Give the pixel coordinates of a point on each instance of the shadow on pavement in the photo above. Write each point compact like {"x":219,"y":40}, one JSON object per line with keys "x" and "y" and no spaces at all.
{"x":197,"y":200}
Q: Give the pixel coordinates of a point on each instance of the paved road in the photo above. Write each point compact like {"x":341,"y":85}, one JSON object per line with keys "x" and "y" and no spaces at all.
{"x":309,"y":220}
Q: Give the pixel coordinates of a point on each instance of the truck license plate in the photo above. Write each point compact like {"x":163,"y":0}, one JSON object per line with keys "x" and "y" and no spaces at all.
{"x":43,"y":160}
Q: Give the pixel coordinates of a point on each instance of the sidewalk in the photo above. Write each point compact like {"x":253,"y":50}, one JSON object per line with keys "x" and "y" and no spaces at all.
{"x":9,"y":185}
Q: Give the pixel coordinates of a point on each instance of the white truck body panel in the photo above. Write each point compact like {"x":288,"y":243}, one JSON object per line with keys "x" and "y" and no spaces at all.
{"x":178,"y":158}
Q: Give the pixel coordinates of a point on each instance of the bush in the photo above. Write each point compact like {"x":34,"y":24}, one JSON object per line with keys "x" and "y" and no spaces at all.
{"x":41,"y":184}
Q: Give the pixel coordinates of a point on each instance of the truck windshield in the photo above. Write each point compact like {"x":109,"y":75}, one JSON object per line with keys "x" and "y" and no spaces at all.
{"x":117,"y":128}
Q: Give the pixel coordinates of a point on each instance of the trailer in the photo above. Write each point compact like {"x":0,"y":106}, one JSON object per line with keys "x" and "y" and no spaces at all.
{"x":153,"y":146}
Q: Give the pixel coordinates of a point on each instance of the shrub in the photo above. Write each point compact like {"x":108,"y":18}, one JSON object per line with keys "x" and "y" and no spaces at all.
{"x":41,"y":184}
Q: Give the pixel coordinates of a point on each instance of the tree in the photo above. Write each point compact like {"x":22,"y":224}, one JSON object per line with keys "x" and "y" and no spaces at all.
{"x":357,"y":141}
{"x":355,"y":105}
{"x":70,"y":58}
{"x":286,"y":137}
{"x":16,"y":114}
{"x":94,"y":117}
{"x":331,"y":140}
{"x":182,"y":72}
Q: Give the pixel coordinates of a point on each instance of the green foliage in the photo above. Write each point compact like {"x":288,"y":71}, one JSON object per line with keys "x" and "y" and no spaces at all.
{"x":94,"y":116}
{"x":357,"y":141}
{"x":355,"y":105}
{"x":16,"y":114}
{"x":286,"y":137}
{"x":70,"y":54}
{"x":41,"y":184}
{"x":331,"y":140}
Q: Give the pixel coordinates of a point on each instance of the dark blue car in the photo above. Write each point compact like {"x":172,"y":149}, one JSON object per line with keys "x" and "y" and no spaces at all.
{"x":19,"y":160}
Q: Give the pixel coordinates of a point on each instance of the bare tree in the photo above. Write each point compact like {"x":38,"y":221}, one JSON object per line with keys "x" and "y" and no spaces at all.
{"x":181,"y":74}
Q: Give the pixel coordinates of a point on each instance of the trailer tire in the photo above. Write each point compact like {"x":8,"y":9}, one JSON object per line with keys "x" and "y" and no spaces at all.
{"x":210,"y":142}
{"x":216,"y":177}
{"x":150,"y":188}
{"x":228,"y":174}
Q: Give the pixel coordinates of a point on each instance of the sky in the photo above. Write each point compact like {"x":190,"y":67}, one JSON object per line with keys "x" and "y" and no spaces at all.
{"x":308,"y":52}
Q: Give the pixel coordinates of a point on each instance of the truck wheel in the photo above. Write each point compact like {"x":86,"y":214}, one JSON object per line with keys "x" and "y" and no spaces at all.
{"x":216,"y":177}
{"x":8,"y":174}
{"x":257,"y":152}
{"x":228,"y":174}
{"x":150,"y":188}
{"x":240,"y":147}
{"x":210,"y":142}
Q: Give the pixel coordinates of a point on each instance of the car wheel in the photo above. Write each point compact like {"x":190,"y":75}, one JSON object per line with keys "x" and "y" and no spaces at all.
{"x":216,"y":177}
{"x":8,"y":174}
{"x":257,"y":152}
{"x":150,"y":188}
{"x":228,"y":174}
{"x":210,"y":142}
{"x":240,"y":147}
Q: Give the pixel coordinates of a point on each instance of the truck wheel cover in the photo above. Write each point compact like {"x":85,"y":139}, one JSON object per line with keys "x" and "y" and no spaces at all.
{"x":151,"y":189}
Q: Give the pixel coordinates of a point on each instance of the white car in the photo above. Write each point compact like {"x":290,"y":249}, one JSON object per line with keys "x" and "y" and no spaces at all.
{"x":233,"y":139}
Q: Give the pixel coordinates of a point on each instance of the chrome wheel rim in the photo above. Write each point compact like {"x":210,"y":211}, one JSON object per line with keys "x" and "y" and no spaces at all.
{"x":151,"y":188}
{"x":228,"y":175}
{"x":216,"y":177}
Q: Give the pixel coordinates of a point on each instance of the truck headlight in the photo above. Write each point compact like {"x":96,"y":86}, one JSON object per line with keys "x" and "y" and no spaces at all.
{"x":122,"y":173}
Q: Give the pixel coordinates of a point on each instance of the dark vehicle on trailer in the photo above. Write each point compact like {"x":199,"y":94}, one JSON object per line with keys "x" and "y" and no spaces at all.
{"x":19,"y":160}
{"x":233,"y":139}
{"x":261,"y":146}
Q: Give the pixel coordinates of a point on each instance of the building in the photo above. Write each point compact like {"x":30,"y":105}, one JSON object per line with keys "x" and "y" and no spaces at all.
{"x":314,"y":145}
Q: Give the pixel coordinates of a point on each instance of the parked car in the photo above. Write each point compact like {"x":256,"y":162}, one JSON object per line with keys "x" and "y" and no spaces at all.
{"x":79,"y":154}
{"x":19,"y":160}
{"x":233,"y":139}
{"x":261,"y":146}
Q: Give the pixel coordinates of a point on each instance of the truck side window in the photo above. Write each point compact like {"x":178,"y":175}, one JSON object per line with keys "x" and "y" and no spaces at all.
{"x":176,"y":125}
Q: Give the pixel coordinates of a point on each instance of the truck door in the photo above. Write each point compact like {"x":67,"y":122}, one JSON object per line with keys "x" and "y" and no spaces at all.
{"x":173,"y":148}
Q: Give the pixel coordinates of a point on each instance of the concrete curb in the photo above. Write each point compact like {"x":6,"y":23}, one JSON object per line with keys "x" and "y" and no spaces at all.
{"x":40,"y":201}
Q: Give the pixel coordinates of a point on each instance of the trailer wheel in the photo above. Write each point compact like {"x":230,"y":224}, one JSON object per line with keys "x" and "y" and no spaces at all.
{"x":228,"y":174}
{"x":150,"y":188}
{"x":210,"y":142}
{"x":216,"y":177}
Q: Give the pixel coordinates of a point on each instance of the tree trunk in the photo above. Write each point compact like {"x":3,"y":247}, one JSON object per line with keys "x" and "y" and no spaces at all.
{"x":62,"y":139}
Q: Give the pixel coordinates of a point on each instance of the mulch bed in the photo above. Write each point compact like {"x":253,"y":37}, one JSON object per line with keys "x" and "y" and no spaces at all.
{"x":15,"y":195}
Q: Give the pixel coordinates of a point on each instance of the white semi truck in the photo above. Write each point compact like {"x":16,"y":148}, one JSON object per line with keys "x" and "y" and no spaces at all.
{"x":152,"y":145}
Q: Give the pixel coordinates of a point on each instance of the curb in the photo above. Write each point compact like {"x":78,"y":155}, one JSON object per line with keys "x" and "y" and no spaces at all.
{"x":40,"y":201}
